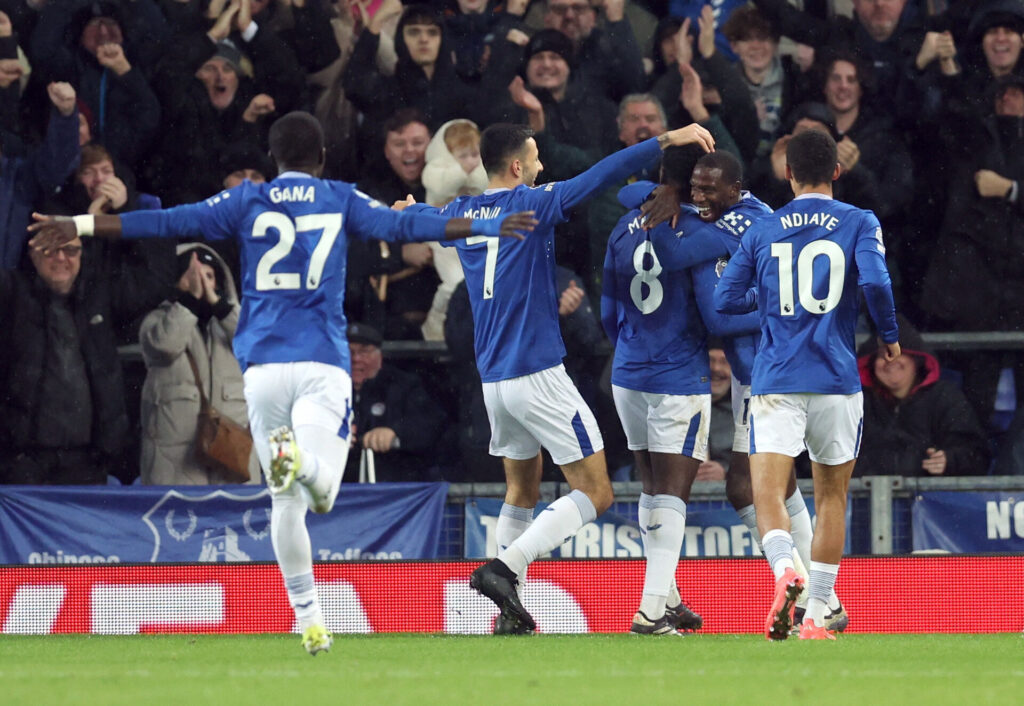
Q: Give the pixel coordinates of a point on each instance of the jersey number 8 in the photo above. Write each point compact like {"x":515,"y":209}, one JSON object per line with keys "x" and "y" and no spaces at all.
{"x":805,"y":276}
{"x":646,"y":275}
{"x":328,"y":223}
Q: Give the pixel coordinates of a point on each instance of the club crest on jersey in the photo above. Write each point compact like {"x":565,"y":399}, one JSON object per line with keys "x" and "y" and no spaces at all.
{"x":306,"y":194}
{"x":735,"y":223}
{"x":720,"y":266}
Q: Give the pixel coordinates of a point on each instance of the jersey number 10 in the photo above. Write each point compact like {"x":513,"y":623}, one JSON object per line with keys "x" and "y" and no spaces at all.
{"x":328,"y":223}
{"x":805,"y":276}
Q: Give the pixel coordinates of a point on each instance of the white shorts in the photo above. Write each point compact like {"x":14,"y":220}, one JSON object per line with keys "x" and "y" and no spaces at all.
{"x":667,"y":424}
{"x":298,"y":395}
{"x":740,"y":417}
{"x":540,"y":409}
{"x":829,"y":425}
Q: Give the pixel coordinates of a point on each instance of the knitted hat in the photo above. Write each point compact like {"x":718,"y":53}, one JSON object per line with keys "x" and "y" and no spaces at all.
{"x":549,"y":40}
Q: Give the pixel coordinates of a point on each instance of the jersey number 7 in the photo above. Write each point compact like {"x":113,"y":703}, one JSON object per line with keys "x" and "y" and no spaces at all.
{"x":328,"y":223}
{"x":490,"y":264}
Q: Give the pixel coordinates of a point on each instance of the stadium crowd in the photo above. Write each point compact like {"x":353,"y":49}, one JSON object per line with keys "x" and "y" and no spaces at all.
{"x":111,"y":106}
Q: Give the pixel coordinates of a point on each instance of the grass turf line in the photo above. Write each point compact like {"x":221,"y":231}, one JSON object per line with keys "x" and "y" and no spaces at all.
{"x":556,"y":669}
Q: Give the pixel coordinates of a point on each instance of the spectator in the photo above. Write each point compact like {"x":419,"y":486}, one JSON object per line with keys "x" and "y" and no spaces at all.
{"x":706,"y":83}
{"x":26,"y":180}
{"x":198,"y":319}
{"x":915,"y":424}
{"x":777,"y":83}
{"x":608,"y":58}
{"x":724,"y":10}
{"x":393,"y":288}
{"x":768,"y":174}
{"x":479,"y":29}
{"x":453,"y":168}
{"x":868,"y":140}
{"x":424,"y":79}
{"x":63,"y":405}
{"x":107,"y":50}
{"x":720,"y":438}
{"x":392,"y":413}
{"x":213,"y":95}
{"x":13,"y":76}
{"x":981,"y":246}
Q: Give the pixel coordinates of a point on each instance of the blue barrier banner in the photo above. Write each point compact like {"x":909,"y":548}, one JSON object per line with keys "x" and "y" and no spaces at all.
{"x":710,"y":531}
{"x":103,"y":524}
{"x":968,"y":522}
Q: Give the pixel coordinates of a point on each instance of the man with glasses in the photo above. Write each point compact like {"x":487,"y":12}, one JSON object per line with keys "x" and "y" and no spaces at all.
{"x":608,"y":58}
{"x":65,"y":420}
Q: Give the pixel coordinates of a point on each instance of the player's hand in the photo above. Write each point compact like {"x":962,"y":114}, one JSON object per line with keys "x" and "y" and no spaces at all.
{"x":889,"y":351}
{"x":848,"y":153}
{"x":10,"y":71}
{"x":689,"y":135}
{"x":992,"y":185}
{"x":706,"y":38}
{"x":379,"y":439}
{"x":662,"y":206}
{"x":518,"y":224}
{"x":417,"y":254}
{"x":405,"y":203}
{"x":62,"y":95}
{"x":260,"y":105}
{"x":49,"y":232}
{"x":111,"y":56}
{"x":691,"y":95}
{"x":935,"y":464}
{"x":710,"y":470}
{"x":570,"y":299}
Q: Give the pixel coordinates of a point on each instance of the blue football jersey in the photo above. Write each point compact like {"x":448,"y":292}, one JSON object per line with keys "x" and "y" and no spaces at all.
{"x":511,"y":283}
{"x":649,"y":312}
{"x":806,"y":262}
{"x":292,"y":234}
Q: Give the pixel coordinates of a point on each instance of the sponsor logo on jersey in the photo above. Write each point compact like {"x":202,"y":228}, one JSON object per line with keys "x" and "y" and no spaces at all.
{"x":733,"y":222}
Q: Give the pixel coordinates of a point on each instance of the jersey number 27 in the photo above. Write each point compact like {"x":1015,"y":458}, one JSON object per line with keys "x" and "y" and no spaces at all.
{"x":328,"y":223}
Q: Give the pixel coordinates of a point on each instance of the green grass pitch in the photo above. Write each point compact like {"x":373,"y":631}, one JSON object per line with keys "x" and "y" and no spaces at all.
{"x":585,"y":669}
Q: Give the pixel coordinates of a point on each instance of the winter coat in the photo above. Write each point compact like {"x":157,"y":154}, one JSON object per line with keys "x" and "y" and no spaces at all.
{"x":935,"y":414}
{"x":170,"y":398}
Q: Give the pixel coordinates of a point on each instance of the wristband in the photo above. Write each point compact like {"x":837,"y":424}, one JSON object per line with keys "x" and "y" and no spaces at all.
{"x":85,"y":225}
{"x":250,"y":31}
{"x":1012,"y":193}
{"x":490,"y":227}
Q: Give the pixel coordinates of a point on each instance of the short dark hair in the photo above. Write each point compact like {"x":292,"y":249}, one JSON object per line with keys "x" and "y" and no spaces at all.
{"x":748,"y":22}
{"x":811,"y":157}
{"x":732,"y":170}
{"x":401,"y":118}
{"x":296,"y":140}
{"x":500,"y":143}
{"x":677,"y":165}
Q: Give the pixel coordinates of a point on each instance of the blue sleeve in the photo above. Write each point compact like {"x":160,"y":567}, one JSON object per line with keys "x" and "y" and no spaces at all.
{"x":368,"y":218}
{"x":609,"y":304}
{"x":734,"y":293}
{"x":57,"y":157}
{"x":724,"y":325}
{"x":216,"y":218}
{"x":873,"y":278}
{"x":632,"y":195}
{"x":683,"y":252}
{"x":553,"y":201}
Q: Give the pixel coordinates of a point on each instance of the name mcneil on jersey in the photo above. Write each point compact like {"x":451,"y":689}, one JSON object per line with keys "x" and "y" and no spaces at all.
{"x":483,"y":213}
{"x":305,"y":193}
{"x":799,"y":220}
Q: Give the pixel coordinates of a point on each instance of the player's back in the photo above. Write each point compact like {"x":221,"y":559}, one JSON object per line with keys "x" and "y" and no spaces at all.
{"x":511,"y":284}
{"x":805,"y":256}
{"x":660,"y":341}
{"x":293,"y":255}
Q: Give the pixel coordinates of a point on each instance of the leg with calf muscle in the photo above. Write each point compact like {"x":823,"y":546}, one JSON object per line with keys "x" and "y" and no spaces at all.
{"x":522,"y":492}
{"x":562,"y":519}
{"x":831,"y":484}
{"x":323,"y":455}
{"x":770,"y":475}
{"x":290,"y":539}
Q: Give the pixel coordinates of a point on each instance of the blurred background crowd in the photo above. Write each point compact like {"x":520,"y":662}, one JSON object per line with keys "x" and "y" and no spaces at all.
{"x":108,"y":106}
